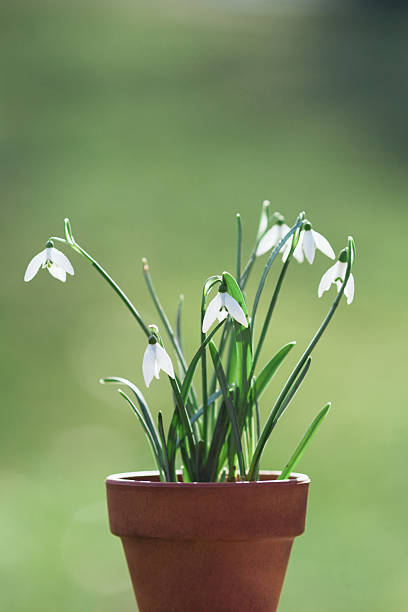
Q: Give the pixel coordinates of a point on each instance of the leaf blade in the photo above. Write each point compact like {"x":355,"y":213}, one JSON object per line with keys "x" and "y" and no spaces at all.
{"x":304,"y":443}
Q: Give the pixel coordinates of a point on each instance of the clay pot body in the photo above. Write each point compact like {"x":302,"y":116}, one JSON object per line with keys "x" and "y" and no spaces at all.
{"x":207,"y":547}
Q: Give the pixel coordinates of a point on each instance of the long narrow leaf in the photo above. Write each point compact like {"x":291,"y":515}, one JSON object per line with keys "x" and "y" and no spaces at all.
{"x":172,"y":440}
{"x":239,"y":246}
{"x":304,"y":443}
{"x":280,"y":409}
{"x":224,"y":388}
{"x":280,"y":406}
{"x":144,"y":408}
{"x":178,"y":322}
{"x":166,"y":465}
{"x":156,"y":450}
{"x":267,"y":373}
{"x":217,"y":442}
{"x":185,"y":388}
{"x":235,"y":291}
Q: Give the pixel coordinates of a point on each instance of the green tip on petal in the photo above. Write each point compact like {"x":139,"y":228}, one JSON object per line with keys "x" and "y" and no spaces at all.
{"x":343,"y":257}
{"x":278,"y":218}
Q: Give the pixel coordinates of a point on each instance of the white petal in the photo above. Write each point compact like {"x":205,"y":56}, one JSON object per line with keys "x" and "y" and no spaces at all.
{"x":223,"y":314}
{"x":164,"y":361}
{"x":285,"y":251}
{"x":268,"y":241}
{"x":57,"y":272}
{"x":349,"y":289}
{"x":298,"y":252}
{"x":309,"y":245}
{"x":149,"y":363}
{"x":235,"y":310}
{"x":212,"y":312}
{"x":341,"y":269}
{"x":61,"y":260}
{"x":283,"y":230}
{"x":34,"y":265}
{"x":328,"y":278}
{"x":156,"y":364}
{"x":323,"y":244}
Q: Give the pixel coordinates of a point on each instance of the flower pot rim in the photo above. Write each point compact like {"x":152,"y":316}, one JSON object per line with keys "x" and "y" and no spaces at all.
{"x":151,"y":479}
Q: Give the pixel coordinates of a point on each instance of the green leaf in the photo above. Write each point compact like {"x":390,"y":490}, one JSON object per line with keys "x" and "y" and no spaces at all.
{"x":265,"y":376}
{"x":231,"y":410}
{"x":263,"y":221}
{"x":239,"y":246}
{"x":234,"y":290}
{"x":304,"y":443}
{"x":280,"y":406}
{"x":277,"y":412}
{"x":184,"y":417}
{"x":178,"y":322}
{"x":156,"y":449}
{"x":217,"y":443}
{"x":210,"y":400}
{"x":188,"y":379}
{"x":172,"y":441}
{"x":144,"y":408}
{"x":169,"y":476}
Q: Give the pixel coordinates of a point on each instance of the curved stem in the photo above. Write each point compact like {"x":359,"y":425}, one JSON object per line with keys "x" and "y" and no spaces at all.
{"x":264,"y":436}
{"x":269,"y":315}
{"x":109,"y":280}
{"x":270,"y":261}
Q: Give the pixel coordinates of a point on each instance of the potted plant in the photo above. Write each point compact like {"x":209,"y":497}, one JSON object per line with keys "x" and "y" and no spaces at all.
{"x":215,"y":534}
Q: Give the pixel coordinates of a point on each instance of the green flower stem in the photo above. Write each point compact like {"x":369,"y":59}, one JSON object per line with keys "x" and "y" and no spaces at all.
{"x":169,"y":476}
{"x":270,"y":261}
{"x":178,"y":322}
{"x":246,"y":271}
{"x":167,"y":325}
{"x":239,"y":247}
{"x":267,"y":429}
{"x":163,"y":316}
{"x":269,"y":315}
{"x":76,"y":247}
{"x":235,"y":431}
{"x":206,"y":408}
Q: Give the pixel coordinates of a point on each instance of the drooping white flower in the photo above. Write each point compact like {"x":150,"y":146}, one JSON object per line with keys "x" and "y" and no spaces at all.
{"x":220,"y":307}
{"x":309,"y":241}
{"x":154,"y":360}
{"x":335,"y":276}
{"x":273,"y":236}
{"x":57,"y":264}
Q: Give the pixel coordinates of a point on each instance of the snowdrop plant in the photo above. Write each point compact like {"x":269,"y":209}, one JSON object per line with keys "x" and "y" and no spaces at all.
{"x":215,"y":429}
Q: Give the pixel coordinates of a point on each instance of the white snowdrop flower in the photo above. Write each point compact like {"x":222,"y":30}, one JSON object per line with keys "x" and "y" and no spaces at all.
{"x":220,"y":307}
{"x":154,"y":360}
{"x":273,"y":236}
{"x":57,"y":264}
{"x":309,"y":241}
{"x":335,"y":276}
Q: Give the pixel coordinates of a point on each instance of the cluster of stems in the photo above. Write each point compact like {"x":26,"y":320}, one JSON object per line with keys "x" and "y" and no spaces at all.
{"x":217,"y":431}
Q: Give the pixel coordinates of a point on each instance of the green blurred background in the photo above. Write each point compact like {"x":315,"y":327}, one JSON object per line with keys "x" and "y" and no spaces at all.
{"x":151,"y":125}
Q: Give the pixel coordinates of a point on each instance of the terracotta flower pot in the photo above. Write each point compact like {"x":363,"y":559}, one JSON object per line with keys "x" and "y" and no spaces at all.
{"x":210,"y":547}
